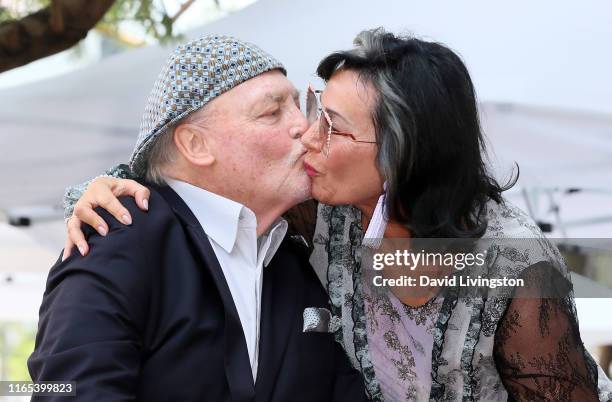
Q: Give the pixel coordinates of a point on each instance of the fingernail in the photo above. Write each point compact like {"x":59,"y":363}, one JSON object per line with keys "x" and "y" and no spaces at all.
{"x":145,"y":202}
{"x":126,"y":219}
{"x":81,"y":249}
{"x":101,"y":230}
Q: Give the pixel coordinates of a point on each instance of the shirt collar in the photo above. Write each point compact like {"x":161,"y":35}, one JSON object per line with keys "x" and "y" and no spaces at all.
{"x":378,"y":224}
{"x":218,"y":216}
{"x":221,"y":218}
{"x":272,"y":240}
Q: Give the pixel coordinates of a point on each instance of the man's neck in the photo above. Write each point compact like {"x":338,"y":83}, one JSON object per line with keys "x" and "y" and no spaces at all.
{"x":265,"y":215}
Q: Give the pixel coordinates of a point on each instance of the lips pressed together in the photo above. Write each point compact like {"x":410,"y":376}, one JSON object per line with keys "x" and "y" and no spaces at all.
{"x":310,"y":171}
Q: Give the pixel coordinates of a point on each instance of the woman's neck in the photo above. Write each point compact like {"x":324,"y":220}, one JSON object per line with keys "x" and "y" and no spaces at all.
{"x":394,"y":229}
{"x":397,"y":230}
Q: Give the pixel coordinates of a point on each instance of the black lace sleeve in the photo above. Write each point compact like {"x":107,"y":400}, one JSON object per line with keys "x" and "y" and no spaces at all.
{"x":538,"y":351}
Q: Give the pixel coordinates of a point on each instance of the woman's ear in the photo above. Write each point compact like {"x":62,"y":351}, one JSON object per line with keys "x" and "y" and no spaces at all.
{"x":194,"y":144}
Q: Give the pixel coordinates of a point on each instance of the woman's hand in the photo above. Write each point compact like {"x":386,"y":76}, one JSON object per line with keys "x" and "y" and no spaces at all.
{"x":102,"y":192}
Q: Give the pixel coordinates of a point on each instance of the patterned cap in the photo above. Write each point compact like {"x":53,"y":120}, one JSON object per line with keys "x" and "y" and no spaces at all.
{"x":196,"y":73}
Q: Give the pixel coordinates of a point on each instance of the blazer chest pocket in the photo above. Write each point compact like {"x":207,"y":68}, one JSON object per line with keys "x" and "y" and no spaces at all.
{"x":319,"y":319}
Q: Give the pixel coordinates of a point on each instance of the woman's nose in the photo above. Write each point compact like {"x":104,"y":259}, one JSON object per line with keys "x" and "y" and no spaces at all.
{"x":309,"y":139}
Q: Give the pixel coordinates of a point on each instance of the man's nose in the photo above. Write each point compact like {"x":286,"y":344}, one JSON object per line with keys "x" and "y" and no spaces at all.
{"x":300,"y":125}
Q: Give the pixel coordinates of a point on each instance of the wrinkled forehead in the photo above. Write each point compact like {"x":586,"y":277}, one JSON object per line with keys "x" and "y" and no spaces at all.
{"x":271,"y":86}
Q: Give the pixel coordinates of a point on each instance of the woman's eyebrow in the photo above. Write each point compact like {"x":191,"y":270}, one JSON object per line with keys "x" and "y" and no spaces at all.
{"x":333,"y":113}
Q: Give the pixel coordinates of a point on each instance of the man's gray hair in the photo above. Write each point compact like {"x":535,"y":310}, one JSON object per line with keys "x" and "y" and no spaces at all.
{"x":164,"y":153}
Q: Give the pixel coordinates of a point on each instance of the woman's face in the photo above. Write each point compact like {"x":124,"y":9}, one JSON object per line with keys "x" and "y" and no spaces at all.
{"x":348,"y":175}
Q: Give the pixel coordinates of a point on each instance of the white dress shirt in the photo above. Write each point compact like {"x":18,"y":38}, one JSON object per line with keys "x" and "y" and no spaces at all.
{"x":231,"y":228}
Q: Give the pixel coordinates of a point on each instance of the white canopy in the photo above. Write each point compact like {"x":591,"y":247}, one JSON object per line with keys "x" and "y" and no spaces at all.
{"x":541,"y":70}
{"x":544,"y":62}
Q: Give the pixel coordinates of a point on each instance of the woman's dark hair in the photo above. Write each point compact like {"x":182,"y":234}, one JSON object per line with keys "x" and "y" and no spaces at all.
{"x":430,"y":146}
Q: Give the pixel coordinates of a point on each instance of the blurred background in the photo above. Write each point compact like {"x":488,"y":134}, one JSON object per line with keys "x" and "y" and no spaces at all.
{"x":70,"y":108}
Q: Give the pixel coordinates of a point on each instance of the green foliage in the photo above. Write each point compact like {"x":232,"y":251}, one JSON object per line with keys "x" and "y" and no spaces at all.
{"x":16,"y":345}
{"x":25,"y":7}
{"x":5,"y":15}
{"x":150,"y":14}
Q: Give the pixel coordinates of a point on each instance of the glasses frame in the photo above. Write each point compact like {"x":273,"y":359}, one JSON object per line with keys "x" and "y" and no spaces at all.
{"x":314,"y":111}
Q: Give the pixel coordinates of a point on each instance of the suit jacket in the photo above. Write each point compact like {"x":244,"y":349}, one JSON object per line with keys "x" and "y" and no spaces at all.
{"x":148,"y":316}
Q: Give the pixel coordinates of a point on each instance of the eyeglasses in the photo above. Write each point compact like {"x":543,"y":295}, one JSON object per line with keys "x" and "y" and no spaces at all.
{"x":315,"y":112}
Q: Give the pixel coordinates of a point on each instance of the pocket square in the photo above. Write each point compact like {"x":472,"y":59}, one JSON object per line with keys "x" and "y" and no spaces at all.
{"x":319,"y":319}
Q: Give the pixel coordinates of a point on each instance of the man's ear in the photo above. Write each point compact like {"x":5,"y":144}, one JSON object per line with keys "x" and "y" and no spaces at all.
{"x":194,"y":143}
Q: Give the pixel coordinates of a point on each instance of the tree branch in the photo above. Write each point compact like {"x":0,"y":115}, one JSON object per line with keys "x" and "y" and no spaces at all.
{"x":48,"y":31}
{"x":181,"y":10}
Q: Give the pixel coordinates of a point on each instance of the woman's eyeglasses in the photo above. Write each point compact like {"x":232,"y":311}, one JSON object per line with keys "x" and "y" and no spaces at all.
{"x":315,"y":112}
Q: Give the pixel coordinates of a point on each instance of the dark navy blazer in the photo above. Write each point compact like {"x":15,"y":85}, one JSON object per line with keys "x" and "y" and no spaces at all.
{"x":148,"y":316}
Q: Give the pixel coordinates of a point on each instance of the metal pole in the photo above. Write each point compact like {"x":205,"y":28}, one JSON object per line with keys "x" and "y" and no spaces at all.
{"x":528,"y":203}
{"x":556,"y":209}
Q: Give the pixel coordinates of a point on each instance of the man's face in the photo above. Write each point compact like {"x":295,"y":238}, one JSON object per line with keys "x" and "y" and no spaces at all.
{"x":255,"y":129}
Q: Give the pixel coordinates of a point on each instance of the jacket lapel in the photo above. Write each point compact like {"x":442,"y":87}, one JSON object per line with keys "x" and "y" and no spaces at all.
{"x":237,"y":364}
{"x":280,"y":297}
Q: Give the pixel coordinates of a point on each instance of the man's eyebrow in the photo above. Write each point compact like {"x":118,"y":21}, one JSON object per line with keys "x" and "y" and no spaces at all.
{"x":274,"y":97}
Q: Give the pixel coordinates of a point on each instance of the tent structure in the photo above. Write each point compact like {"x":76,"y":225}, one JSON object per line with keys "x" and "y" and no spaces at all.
{"x":541,"y":61}
{"x":21,"y":283}
{"x":540,"y":70}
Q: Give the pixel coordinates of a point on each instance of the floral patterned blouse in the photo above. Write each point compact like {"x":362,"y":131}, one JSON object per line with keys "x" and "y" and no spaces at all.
{"x":500,"y":346}
{"x":400,"y":340}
